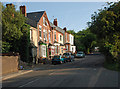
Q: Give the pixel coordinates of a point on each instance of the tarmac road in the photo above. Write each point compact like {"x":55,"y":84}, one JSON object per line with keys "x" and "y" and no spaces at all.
{"x":83,"y":72}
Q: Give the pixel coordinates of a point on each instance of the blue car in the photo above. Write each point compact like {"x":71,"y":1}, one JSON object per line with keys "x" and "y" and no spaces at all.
{"x":68,"y":57}
{"x":58,"y":59}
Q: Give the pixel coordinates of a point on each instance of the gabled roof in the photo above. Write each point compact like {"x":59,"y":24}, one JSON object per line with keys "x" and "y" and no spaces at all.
{"x":35,"y":15}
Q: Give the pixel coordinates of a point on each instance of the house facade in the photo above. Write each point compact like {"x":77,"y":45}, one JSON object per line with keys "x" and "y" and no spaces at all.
{"x":47,"y":38}
{"x":44,"y":33}
{"x":58,"y":38}
{"x":69,"y":42}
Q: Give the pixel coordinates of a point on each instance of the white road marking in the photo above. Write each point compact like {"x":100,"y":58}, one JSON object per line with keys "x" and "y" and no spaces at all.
{"x":95,"y":78}
{"x":51,"y":73}
{"x":29,"y":83}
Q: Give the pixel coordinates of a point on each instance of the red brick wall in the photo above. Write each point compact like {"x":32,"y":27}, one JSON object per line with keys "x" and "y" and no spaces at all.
{"x":68,"y":40}
{"x":47,"y":28}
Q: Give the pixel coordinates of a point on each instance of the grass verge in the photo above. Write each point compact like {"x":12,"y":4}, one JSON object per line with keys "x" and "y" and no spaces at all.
{"x":112,"y":66}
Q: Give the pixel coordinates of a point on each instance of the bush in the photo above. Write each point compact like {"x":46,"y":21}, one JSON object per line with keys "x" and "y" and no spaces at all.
{"x":5,"y":47}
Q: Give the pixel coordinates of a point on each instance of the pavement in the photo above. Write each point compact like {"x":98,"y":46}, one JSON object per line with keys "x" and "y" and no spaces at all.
{"x":25,"y":71}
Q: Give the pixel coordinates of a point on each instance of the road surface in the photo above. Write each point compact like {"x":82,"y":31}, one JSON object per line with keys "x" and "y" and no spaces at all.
{"x":83,"y":72}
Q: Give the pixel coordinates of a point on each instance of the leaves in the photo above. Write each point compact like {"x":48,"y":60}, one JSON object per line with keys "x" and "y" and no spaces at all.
{"x":106,"y":26}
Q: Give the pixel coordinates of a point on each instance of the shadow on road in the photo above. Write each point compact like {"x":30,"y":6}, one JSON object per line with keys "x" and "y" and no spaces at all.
{"x":90,"y":61}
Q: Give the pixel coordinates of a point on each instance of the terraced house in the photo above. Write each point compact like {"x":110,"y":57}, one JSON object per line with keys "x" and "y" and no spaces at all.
{"x":47,"y":38}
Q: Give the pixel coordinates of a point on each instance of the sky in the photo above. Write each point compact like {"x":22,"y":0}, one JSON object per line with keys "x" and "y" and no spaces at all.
{"x":72,"y":15}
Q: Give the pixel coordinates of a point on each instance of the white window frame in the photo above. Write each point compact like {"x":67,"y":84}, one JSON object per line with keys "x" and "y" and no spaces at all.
{"x":55,"y":35}
{"x":46,"y":35}
{"x":30,"y":34}
{"x":60,"y":37}
{"x":40,"y":27}
{"x":43,"y":51}
{"x":43,"y":20}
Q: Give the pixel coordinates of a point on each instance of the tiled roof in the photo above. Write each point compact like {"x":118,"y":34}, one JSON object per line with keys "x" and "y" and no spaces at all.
{"x":57,"y":28}
{"x":31,"y":22}
{"x":35,"y":15}
{"x":33,"y":18}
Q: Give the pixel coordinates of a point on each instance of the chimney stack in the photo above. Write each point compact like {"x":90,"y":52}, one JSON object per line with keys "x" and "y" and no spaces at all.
{"x":12,"y":6}
{"x":23,"y":10}
{"x":55,"y":22}
{"x":65,"y":29}
{"x":8,"y":5}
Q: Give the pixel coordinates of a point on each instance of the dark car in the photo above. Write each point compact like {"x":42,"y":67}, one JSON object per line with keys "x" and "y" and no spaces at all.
{"x":57,"y":59}
{"x":80,"y":54}
{"x":68,"y":57}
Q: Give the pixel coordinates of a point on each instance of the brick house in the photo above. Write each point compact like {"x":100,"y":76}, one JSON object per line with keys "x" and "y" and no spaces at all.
{"x":69,"y":42}
{"x":47,"y":38}
{"x":58,"y":38}
{"x":39,"y":22}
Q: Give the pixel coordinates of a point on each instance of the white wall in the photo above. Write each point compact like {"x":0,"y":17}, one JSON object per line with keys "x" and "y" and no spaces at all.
{"x":60,"y":41}
{"x":73,"y":49}
{"x":34,"y":36}
{"x":71,"y":37}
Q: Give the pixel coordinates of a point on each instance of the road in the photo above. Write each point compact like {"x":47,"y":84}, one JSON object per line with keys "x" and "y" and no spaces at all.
{"x":83,"y":72}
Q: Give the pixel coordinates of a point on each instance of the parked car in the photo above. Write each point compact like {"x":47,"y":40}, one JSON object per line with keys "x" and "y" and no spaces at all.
{"x":80,"y":54}
{"x":68,"y":57}
{"x":57,"y":59}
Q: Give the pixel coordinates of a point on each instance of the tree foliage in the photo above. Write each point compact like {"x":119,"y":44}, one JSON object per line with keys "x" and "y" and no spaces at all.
{"x":12,"y":21}
{"x":105,"y":24}
{"x":15,"y":33}
{"x":84,"y":40}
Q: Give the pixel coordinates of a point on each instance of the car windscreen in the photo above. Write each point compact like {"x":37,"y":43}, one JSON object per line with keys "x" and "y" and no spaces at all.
{"x":66,"y":54}
{"x":80,"y":53}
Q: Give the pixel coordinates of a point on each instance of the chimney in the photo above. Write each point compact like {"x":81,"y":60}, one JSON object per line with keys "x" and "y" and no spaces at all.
{"x":12,"y":6}
{"x":23,"y":10}
{"x":8,"y":5}
{"x":65,"y":29}
{"x":55,"y":22}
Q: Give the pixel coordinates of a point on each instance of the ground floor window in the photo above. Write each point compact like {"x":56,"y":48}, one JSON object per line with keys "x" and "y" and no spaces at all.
{"x":43,"y":50}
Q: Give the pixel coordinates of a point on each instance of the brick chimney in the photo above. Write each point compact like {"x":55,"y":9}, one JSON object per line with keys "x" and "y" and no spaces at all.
{"x":23,"y":10}
{"x":55,"y":22}
{"x":65,"y":29}
{"x":11,"y":5}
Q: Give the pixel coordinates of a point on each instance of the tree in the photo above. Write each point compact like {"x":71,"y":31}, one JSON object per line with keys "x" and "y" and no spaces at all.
{"x":25,"y":43}
{"x":15,"y":33}
{"x":71,"y":32}
{"x":105,"y":25}
{"x":12,"y":21}
{"x":85,"y":41}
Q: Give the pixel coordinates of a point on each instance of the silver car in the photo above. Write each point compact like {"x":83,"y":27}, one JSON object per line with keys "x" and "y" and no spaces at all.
{"x":80,"y":54}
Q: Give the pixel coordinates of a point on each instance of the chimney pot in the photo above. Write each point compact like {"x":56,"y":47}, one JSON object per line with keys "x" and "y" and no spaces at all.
{"x":23,"y":10}
{"x":55,"y":22}
{"x":65,"y":29}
